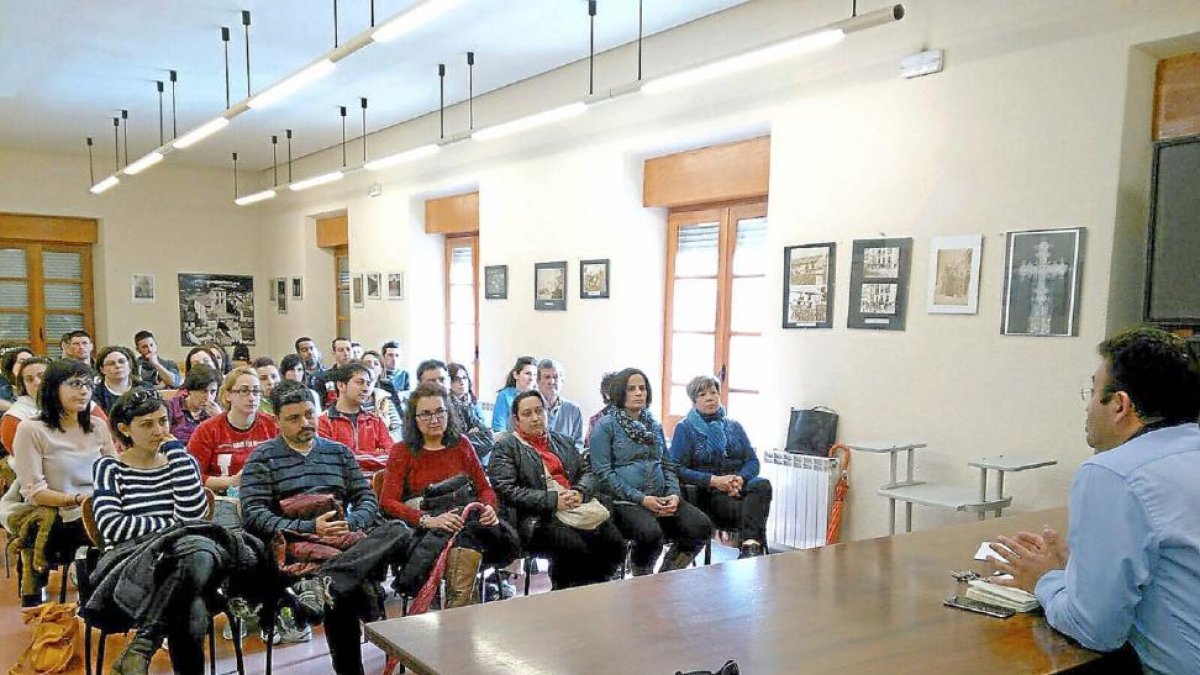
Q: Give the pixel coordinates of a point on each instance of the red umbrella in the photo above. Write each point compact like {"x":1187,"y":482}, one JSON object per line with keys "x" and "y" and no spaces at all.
{"x":842,"y":452}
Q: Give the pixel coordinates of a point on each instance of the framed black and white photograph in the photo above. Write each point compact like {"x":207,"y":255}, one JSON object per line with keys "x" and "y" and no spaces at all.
{"x":1042,"y":280}
{"x":954,"y":274}
{"x":144,"y":288}
{"x":374,"y":285}
{"x":808,"y":274}
{"x":281,"y":303}
{"x":280,"y":286}
{"x":297,"y":288}
{"x":495,"y":282}
{"x":395,"y":285}
{"x":879,"y":283}
{"x":550,"y":286}
{"x":593,"y":279}
{"x":356,"y":290}
{"x":216,"y":308}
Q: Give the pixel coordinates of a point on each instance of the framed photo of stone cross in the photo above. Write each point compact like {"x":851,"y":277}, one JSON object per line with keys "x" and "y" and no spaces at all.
{"x":879,"y":283}
{"x":1043,"y":275}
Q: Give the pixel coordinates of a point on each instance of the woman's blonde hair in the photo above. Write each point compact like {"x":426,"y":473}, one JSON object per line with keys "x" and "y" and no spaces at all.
{"x":227,"y":383}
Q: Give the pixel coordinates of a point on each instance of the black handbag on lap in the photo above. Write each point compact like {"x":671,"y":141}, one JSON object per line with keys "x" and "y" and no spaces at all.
{"x":453,"y":493}
{"x":812,"y":431}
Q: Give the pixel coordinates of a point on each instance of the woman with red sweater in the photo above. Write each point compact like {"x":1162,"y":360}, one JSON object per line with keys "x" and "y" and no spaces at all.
{"x":434,"y":450}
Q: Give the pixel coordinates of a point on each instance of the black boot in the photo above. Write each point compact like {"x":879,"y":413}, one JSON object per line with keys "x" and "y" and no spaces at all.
{"x":677,"y":559}
{"x":135,"y":660}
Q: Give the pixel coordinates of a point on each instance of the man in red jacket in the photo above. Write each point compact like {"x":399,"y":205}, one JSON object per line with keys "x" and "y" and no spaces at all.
{"x":345,"y":422}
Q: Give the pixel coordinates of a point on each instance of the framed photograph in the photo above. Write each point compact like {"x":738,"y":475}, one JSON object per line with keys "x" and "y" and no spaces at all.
{"x":374,"y":285}
{"x":550,"y":286}
{"x":808,"y":273}
{"x":954,"y":274}
{"x":144,"y":288}
{"x":1042,"y":279}
{"x":495,"y":282}
{"x":593,"y":279}
{"x":297,"y":288}
{"x":216,"y":308}
{"x":281,"y":303}
{"x":395,"y":286}
{"x":356,"y":290}
{"x":879,"y":283}
{"x":281,"y":286}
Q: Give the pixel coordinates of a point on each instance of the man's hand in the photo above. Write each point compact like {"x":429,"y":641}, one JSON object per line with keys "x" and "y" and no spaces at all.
{"x":653,"y":505}
{"x":489,"y":517}
{"x":326,"y":526}
{"x":449,"y":521}
{"x":1029,"y":558}
{"x":670,"y":504}
{"x":721,"y":483}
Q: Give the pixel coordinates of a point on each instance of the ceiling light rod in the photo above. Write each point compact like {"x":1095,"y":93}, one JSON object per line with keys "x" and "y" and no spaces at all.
{"x":803,"y":43}
{"x":161,"y":136}
{"x":335,"y":22}
{"x":342,"y":112}
{"x":641,"y":34}
{"x":372,"y":13}
{"x":116,"y":144}
{"x":246,"y":32}
{"x":91,"y":163}
{"x":174,"y":122}
{"x":288,"y":133}
{"x":591,"y":47}
{"x":853,"y":8}
{"x":362,"y":102}
{"x":470,"y":90}
{"x":125,"y":134}
{"x":275,"y":159}
{"x":225,"y":43}
{"x":441,"y":100}
{"x":235,"y":185}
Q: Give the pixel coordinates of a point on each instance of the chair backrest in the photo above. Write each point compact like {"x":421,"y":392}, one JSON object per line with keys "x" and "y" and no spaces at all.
{"x":89,"y":523}
{"x":211,"y":498}
{"x":377,"y":483}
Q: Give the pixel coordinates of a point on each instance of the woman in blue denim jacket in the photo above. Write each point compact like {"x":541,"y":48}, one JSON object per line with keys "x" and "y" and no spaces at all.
{"x":634,"y":470}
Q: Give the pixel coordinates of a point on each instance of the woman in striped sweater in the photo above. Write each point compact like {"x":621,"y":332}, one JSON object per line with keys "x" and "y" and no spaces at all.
{"x":150,"y":487}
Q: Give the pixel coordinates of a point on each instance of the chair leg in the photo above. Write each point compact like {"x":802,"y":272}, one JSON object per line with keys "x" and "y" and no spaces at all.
{"x":708,"y":551}
{"x":62,"y":590}
{"x":530,"y":566}
{"x":404,"y":605}
{"x":100,"y":653}
{"x":87,"y":648}
{"x":212,"y":646}
{"x":236,"y":626}
{"x":274,"y":610}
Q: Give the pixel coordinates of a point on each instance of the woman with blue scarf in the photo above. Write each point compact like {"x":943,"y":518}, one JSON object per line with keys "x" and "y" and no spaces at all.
{"x":635,"y":472}
{"x":714,"y":454}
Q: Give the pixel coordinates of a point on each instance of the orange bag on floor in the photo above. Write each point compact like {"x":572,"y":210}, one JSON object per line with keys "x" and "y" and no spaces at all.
{"x":57,"y":637}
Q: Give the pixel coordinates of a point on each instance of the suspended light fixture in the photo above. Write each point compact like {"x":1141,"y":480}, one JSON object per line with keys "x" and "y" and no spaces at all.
{"x":412,"y":18}
{"x":105,"y":184}
{"x":145,"y":162}
{"x":200,"y":133}
{"x":402,"y":157}
{"x":531,"y":121}
{"x":292,"y":84}
{"x":323,"y":179}
{"x":255,"y":198}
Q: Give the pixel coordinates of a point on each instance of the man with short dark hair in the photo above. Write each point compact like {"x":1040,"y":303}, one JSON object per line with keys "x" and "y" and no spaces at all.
{"x":325,"y":383}
{"x":310,"y":356}
{"x":298,"y":462}
{"x":1130,"y":568}
{"x":151,"y":369}
{"x":393,"y":372}
{"x":565,"y":416}
{"x":77,"y":345}
{"x":346,"y":422}
{"x":268,"y":377}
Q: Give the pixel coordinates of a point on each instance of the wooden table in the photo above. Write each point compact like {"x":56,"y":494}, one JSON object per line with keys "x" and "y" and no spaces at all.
{"x":861,"y":607}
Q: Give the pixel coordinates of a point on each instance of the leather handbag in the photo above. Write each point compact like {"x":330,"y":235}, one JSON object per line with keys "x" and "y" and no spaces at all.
{"x":812,"y":431}
{"x":587,"y":516}
{"x":453,"y":493}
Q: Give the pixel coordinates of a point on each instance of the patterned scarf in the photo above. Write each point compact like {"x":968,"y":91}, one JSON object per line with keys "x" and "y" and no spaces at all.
{"x":643,"y":430}
{"x":716,"y":442}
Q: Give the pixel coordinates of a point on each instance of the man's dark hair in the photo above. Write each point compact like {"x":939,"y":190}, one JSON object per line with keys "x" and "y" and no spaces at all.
{"x":132,"y":404}
{"x":616,"y":389}
{"x":305,"y":338}
{"x":200,"y":377}
{"x":605,"y":382}
{"x":9,"y":361}
{"x":70,"y":335}
{"x":52,"y":409}
{"x":516,"y":404}
{"x":263,"y":362}
{"x":1157,"y":371}
{"x":141,"y":335}
{"x":287,"y":393}
{"x":291,"y":362}
{"x":241,"y":352}
{"x":333,"y":345}
{"x":412,"y":433}
{"x":390,"y":344}
{"x":430,"y":364}
{"x":345,"y":372}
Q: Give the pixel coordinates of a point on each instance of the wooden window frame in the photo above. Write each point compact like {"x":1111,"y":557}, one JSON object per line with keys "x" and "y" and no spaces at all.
{"x":340,"y":252}
{"x":451,"y":242}
{"x":38,"y":340}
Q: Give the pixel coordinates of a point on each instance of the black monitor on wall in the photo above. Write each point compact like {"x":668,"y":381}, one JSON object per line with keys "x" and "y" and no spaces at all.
{"x":1173,"y":247}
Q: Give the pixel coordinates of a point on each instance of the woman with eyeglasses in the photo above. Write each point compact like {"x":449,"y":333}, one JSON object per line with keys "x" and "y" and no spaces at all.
{"x":54,"y":453}
{"x":462,"y":399}
{"x":521,"y":377}
{"x":222,"y":443}
{"x":434,"y":450}
{"x":116,"y":375}
{"x":381,"y":398}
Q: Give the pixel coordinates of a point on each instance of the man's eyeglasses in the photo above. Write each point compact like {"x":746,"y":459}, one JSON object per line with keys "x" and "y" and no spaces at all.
{"x":247,"y":391}
{"x":427,"y":415}
{"x":80,"y":384}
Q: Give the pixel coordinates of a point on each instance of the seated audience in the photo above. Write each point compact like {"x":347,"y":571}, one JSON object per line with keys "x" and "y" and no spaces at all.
{"x":565,"y":417}
{"x":116,"y":375}
{"x":538,"y":473}
{"x":9,"y":364}
{"x":149,"y":503}
{"x":521,"y":377}
{"x":77,"y":345}
{"x":153,"y":370}
{"x":324,"y":383}
{"x":394,"y":374}
{"x":433,"y":451}
{"x":299,"y":464}
{"x":292,"y":368}
{"x":632,"y":466}
{"x":222,"y":443}
{"x":605,"y":381}
{"x":346,"y":422}
{"x":54,"y":454}
{"x":268,"y":377}
{"x":220,"y":357}
{"x":196,"y":402}
{"x":28,"y":381}
{"x":714,"y":454}
{"x":1130,"y":566}
{"x":310,"y":356}
{"x":382,"y":400}
{"x":201,"y":356}
{"x":470,"y":413}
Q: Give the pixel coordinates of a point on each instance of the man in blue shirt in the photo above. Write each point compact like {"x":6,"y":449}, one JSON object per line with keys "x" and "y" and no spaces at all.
{"x":1130,"y":568}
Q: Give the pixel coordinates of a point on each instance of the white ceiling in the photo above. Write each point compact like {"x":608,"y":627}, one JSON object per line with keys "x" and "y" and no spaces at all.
{"x":67,"y":67}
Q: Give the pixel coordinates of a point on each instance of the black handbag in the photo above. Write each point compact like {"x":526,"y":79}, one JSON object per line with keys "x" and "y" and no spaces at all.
{"x":453,"y":493}
{"x":812,"y":431}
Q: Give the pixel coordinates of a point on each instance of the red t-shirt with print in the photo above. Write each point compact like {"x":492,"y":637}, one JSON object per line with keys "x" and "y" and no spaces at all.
{"x":216,"y":438}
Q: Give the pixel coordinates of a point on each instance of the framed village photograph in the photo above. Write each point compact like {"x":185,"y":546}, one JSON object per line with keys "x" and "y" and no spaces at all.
{"x":954,"y":274}
{"x":1042,"y":280}
{"x":356,"y":290}
{"x":395,"y":285}
{"x":593,"y":279}
{"x":281,"y":286}
{"x":550,"y":286}
{"x":297,"y":288}
{"x":216,"y":308}
{"x":374,"y":285}
{"x":143,"y":288}
{"x":879,"y":283}
{"x":808,"y":274}
{"x":495,"y":282}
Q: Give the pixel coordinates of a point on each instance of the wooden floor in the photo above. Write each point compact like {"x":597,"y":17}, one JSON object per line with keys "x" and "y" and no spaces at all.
{"x":306,"y":658}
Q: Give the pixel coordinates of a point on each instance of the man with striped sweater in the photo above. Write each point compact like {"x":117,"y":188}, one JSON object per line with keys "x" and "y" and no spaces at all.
{"x":299,"y":462}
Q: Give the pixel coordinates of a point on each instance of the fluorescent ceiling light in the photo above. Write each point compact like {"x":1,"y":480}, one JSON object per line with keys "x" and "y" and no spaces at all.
{"x":144,"y":163}
{"x":525,"y":123}
{"x":413,"y":18}
{"x":316,"y":180}
{"x":402,"y":157}
{"x":747,"y":61}
{"x":105,"y":184}
{"x":254,"y":198}
{"x":290,"y":85}
{"x":200,"y":133}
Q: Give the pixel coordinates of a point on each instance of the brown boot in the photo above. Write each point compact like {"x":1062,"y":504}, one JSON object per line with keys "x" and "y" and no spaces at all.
{"x":462,"y":566}
{"x":677,"y":559}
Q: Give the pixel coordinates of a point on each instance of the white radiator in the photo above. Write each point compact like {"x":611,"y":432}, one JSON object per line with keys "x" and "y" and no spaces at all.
{"x":803,"y":493}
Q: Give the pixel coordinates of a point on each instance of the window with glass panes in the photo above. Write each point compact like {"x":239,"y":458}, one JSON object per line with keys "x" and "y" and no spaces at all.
{"x":45,"y":291}
{"x":462,"y":301}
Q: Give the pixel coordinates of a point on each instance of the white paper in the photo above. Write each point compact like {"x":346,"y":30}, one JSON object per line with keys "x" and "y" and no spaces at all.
{"x":985,"y":552}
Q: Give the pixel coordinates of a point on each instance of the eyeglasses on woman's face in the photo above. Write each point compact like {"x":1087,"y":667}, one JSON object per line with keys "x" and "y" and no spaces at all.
{"x":246,"y":391}
{"x":429,"y":415}
{"x":79,"y":384}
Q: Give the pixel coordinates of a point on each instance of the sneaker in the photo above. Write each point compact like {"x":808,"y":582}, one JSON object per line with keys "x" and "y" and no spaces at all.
{"x":312,"y":599}
{"x":286,"y":629}
{"x":276,"y":637}
{"x":750,"y":549}
{"x":227,"y":632}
